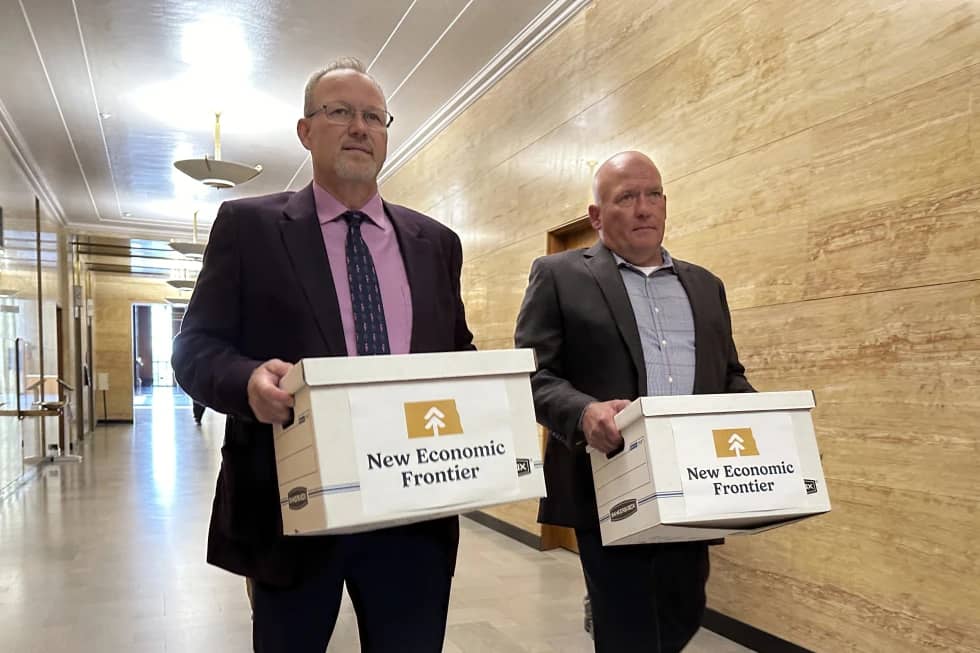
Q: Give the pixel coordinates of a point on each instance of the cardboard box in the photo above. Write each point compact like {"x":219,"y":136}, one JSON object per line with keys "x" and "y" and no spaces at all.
{"x":378,"y":441}
{"x":700,"y":467}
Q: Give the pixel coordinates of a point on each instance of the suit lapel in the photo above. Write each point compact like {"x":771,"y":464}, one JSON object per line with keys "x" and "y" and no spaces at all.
{"x":303,"y":240}
{"x":701,"y":309}
{"x":418,"y":255}
{"x":601,"y":264}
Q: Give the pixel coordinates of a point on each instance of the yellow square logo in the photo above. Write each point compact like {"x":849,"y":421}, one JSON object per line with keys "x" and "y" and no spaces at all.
{"x":426,"y":419}
{"x":735,"y":443}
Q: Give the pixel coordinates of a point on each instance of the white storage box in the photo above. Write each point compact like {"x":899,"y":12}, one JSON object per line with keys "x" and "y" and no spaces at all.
{"x":700,"y":467}
{"x":378,"y":441}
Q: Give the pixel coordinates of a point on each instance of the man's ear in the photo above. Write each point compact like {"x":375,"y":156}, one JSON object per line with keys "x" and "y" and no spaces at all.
{"x":594,"y":218}
{"x":303,"y":132}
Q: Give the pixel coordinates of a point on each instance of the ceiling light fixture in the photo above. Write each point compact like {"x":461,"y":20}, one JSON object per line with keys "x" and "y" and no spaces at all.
{"x":181,"y":284}
{"x":192,"y":250}
{"x":215,"y":172}
{"x":183,"y":292}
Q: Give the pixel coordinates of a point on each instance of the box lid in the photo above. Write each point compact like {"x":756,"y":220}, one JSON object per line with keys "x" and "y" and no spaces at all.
{"x":350,"y":370}
{"x":741,"y":402}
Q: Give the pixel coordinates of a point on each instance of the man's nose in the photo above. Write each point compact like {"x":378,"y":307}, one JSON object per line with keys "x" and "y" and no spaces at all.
{"x":357,"y":124}
{"x":644,"y":206}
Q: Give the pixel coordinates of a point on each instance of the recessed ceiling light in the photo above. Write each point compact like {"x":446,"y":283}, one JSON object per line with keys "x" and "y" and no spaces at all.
{"x":127,"y":214}
{"x":217,"y":41}
{"x":105,"y":115}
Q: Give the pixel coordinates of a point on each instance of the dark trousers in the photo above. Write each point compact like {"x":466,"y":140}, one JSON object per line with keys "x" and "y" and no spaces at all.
{"x":646,"y":598}
{"x":398,"y":580}
{"x":198,"y":412}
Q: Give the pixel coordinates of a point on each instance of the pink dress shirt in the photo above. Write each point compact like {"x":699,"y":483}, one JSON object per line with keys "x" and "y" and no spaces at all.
{"x":379,"y":234}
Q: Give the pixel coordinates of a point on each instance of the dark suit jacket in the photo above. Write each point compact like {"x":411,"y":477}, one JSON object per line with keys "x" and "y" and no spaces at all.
{"x":266,"y":291}
{"x":578,"y":318}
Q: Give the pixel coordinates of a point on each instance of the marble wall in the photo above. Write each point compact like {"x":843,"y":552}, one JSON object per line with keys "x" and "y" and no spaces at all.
{"x":821,"y":157}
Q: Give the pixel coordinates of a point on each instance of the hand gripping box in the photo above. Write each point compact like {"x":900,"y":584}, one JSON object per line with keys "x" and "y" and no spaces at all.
{"x":700,"y":467}
{"x":377,"y":441}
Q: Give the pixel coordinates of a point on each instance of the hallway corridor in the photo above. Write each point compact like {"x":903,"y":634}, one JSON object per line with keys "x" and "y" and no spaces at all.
{"x":108,"y":555}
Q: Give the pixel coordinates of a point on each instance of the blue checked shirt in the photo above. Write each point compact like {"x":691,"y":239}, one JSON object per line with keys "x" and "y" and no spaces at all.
{"x":666,"y":325}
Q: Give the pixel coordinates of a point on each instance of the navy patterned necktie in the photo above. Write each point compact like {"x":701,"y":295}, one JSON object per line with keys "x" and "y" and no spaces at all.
{"x":370,"y":328}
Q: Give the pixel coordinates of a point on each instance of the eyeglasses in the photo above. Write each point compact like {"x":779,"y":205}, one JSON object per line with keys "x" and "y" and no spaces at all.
{"x":341,"y":113}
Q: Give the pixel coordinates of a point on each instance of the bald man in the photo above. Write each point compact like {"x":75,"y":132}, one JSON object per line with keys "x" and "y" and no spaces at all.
{"x":620,"y":320}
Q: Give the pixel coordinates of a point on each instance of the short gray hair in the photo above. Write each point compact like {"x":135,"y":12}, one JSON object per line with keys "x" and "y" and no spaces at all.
{"x":341,"y":63}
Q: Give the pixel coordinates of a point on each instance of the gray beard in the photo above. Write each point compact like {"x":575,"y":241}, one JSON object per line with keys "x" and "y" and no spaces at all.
{"x":355,"y":171}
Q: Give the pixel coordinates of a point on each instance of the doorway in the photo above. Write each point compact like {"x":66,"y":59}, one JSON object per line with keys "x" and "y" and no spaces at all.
{"x":573,"y":235}
{"x":154,"y":327}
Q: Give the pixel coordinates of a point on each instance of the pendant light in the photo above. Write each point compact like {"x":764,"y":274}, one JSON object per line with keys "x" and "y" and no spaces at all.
{"x":214,"y":172}
{"x":192,"y":250}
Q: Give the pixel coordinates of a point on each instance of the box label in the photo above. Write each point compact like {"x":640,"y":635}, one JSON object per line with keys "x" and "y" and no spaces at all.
{"x":523,"y":466}
{"x":298,"y":498}
{"x":739,"y":462}
{"x":427,"y":445}
{"x":623,"y":510}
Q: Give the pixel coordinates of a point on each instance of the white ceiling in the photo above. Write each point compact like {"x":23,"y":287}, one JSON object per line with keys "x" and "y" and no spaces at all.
{"x":99,"y":97}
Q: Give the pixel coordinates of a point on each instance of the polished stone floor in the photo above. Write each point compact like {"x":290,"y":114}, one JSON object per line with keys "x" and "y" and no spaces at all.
{"x":160,"y":397}
{"x":108,"y":555}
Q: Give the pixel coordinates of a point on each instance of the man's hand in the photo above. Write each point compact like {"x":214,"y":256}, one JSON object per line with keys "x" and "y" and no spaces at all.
{"x":270,"y":404}
{"x":600,"y":428}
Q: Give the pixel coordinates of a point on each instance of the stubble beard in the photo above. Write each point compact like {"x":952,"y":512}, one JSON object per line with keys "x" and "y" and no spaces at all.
{"x":357,"y":171}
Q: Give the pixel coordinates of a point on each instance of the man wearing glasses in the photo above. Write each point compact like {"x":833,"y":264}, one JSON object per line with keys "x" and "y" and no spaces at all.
{"x":330,"y":270}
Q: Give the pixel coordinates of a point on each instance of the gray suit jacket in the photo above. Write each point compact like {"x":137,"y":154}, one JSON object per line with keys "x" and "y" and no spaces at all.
{"x":578,"y":318}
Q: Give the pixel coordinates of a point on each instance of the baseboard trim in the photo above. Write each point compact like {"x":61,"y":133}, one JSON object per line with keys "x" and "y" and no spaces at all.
{"x":502,"y":527}
{"x":748,"y":636}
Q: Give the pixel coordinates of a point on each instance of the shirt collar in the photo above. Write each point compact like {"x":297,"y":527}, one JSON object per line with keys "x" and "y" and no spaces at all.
{"x":668,"y":262}
{"x":329,"y":208}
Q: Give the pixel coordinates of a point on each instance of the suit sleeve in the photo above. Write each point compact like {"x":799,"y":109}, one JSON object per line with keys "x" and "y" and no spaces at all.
{"x":462,"y":337}
{"x":206,"y":358}
{"x":557,"y":404}
{"x":735,"y":380}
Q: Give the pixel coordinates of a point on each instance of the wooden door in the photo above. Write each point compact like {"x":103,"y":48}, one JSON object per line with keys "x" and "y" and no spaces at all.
{"x":574,"y":235}
{"x":519,"y":520}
